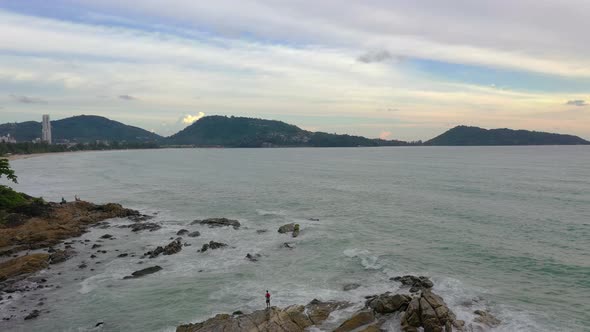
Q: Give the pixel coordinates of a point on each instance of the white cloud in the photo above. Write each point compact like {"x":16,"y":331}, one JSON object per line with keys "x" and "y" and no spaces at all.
{"x":190,"y":119}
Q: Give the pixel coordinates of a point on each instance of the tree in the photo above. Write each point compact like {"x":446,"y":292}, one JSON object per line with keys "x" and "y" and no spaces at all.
{"x":5,"y":170}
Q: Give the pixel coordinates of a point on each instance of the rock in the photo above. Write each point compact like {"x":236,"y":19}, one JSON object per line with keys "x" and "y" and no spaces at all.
{"x":194,"y":234}
{"x":429,"y":312}
{"x":94,"y":246}
{"x":238,"y":312}
{"x":288,"y":228}
{"x":388,"y":303}
{"x":23,"y":265}
{"x":106,"y":236}
{"x":253,"y":258}
{"x":218,"y":222}
{"x":82,"y":266}
{"x":295,"y":318}
{"x":486,"y":318}
{"x":349,"y":287}
{"x":123,"y":255}
{"x":313,"y":219}
{"x":33,"y":314}
{"x":212,"y":245}
{"x":170,"y":249}
{"x":357,"y":320}
{"x":416,"y":283}
{"x":182,"y":232}
{"x":60,"y":256}
{"x":144,"y":272}
{"x":143,"y":226}
{"x":261,"y":231}
{"x":288,"y":245}
{"x":93,"y":256}
{"x":296,"y":231}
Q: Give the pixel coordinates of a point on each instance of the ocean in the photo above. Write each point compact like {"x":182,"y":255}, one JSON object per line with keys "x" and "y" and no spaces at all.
{"x":505,"y":229}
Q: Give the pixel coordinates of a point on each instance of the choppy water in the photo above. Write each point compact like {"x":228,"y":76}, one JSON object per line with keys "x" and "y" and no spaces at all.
{"x":507,"y":228}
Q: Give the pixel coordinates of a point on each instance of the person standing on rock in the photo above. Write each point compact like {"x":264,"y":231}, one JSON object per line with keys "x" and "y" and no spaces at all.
{"x":267,"y":296}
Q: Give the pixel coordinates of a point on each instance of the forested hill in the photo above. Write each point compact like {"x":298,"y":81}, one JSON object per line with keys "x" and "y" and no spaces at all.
{"x":80,"y":129}
{"x":250,"y":132}
{"x":464,"y":135}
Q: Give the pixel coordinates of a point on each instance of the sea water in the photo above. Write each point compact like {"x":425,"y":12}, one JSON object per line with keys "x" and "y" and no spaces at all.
{"x":506,"y":229}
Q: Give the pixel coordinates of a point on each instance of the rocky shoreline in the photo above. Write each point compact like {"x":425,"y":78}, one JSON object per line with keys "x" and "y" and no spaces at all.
{"x":421,"y":310}
{"x":44,"y":235}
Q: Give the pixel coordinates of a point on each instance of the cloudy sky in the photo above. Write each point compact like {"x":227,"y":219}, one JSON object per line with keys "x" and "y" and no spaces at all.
{"x":388,"y":68}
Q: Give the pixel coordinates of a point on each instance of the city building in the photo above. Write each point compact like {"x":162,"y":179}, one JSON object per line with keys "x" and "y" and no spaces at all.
{"x":46,"y":130}
{"x":7,"y":139}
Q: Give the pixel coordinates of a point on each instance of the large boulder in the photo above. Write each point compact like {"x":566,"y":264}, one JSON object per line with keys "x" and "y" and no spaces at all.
{"x":218,"y":222}
{"x":288,"y":228}
{"x":144,"y":272}
{"x":388,"y":303}
{"x":429,"y":312}
{"x":357,"y":320}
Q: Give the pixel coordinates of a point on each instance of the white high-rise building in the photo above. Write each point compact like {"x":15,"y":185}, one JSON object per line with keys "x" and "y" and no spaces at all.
{"x":46,"y":131}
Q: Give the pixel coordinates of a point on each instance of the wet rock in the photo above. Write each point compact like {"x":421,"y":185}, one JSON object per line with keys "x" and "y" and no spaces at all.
{"x":288,"y":245}
{"x":212,"y":245}
{"x":95,"y":246}
{"x":486,"y":318}
{"x":143,"y":226}
{"x":60,"y":256}
{"x":82,"y":266}
{"x":313,"y":219}
{"x":388,"y":303}
{"x":194,"y":234}
{"x":352,"y":286}
{"x":416,"y":283}
{"x":357,"y":320}
{"x":122,"y":255}
{"x":140,"y":217}
{"x":429,"y":312}
{"x":92,"y":256}
{"x":295,"y":231}
{"x":182,"y":232}
{"x":261,"y":231}
{"x":106,"y":236}
{"x":238,"y":312}
{"x":33,"y":314}
{"x":253,"y":258}
{"x":218,"y":222}
{"x":170,"y":249}
{"x":288,"y":228}
{"x":144,"y":272}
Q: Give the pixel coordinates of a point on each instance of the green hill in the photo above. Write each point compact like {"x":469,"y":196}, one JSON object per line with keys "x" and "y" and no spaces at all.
{"x":80,"y":129}
{"x":464,"y":135}
{"x":250,"y":132}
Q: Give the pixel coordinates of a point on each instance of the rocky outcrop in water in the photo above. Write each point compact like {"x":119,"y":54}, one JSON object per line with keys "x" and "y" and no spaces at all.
{"x":148,"y":226}
{"x":429,"y":312}
{"x":485,"y":318}
{"x":253,"y":258}
{"x":218,"y":222}
{"x":144,"y":272}
{"x":388,"y":303}
{"x":170,"y":249}
{"x":295,"y":318}
{"x":416,"y":283}
{"x":212,"y":245}
{"x":60,"y":256}
{"x":360,"y":318}
{"x":292,"y":228}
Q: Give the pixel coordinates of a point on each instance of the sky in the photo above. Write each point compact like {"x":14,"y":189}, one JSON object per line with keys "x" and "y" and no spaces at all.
{"x":378,"y":68}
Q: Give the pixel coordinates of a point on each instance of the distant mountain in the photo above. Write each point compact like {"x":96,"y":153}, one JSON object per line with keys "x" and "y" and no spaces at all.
{"x":82,"y":128}
{"x":250,"y":132}
{"x":464,"y":135}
